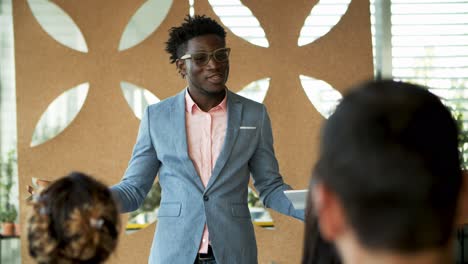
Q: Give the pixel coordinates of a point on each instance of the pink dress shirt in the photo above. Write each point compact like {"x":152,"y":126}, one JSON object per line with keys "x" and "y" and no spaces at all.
{"x":205,"y":138}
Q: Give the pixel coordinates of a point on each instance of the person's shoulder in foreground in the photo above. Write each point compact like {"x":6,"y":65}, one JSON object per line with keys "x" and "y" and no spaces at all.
{"x":388,"y":185}
{"x":74,"y":220}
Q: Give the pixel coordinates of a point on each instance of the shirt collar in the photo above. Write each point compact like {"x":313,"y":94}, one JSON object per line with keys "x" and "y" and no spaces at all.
{"x":190,"y":104}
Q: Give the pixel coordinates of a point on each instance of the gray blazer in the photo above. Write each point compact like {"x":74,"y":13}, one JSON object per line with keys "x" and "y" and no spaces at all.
{"x":185,"y":204}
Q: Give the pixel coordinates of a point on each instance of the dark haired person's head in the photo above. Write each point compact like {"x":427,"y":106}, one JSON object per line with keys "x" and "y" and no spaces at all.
{"x":388,"y":176}
{"x":74,"y":220}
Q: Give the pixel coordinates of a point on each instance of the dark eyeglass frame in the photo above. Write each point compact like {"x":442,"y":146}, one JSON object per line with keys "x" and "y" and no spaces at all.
{"x":210,"y":55}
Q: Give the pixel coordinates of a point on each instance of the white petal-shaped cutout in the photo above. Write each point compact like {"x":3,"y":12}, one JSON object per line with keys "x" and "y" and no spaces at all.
{"x":144,"y":22}
{"x":240,"y":20}
{"x":321,"y":94}
{"x":323,"y":17}
{"x":137,"y":98}
{"x":58,"y":24}
{"x":256,"y":90}
{"x":59,"y":114}
{"x":192,"y":9}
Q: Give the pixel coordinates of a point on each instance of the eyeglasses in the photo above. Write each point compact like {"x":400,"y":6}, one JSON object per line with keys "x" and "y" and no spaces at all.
{"x":202,"y":58}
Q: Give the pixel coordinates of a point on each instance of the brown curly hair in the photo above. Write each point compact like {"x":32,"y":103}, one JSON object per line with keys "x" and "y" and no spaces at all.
{"x":74,"y":220}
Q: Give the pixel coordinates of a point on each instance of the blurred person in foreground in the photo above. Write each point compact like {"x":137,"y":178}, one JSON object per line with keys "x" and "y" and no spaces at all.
{"x":73,"y":221}
{"x":388,"y":185}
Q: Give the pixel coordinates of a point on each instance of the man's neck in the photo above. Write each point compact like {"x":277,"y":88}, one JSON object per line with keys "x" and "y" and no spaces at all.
{"x":205,"y":102}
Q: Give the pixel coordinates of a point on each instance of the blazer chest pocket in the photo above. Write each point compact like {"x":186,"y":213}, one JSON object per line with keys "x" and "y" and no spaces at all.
{"x":169,"y":210}
{"x":247,"y":138}
{"x":249,"y":131}
{"x":240,"y":210}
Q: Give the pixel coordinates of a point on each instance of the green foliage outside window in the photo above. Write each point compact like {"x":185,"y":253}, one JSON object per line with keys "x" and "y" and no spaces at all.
{"x":8,"y":212}
{"x":151,"y":202}
{"x":462,"y":136}
{"x":253,"y":199}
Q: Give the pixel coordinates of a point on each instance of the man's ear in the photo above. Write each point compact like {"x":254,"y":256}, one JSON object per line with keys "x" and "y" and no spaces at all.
{"x":181,"y":68}
{"x":329,"y":211}
{"x":462,"y":214}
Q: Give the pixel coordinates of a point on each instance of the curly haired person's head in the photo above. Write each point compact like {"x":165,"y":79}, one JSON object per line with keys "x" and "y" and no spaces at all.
{"x":192,"y":27}
{"x":74,"y":220}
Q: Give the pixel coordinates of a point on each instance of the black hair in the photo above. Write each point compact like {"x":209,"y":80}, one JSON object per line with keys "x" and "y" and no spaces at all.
{"x":195,"y":26}
{"x":390,"y":153}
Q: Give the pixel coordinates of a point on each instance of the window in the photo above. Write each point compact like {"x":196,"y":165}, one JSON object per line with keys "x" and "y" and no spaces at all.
{"x":430,"y":46}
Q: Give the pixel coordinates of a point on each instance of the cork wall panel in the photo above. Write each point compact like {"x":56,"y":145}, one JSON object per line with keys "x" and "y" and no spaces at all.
{"x":341,"y":58}
{"x":100,"y":139}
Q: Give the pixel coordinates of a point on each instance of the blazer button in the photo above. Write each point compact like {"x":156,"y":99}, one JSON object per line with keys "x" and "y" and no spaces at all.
{"x":206,"y":198}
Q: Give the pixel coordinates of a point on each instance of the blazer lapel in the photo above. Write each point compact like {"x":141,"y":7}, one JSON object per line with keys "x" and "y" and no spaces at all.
{"x":232,"y":130}
{"x":177,"y":120}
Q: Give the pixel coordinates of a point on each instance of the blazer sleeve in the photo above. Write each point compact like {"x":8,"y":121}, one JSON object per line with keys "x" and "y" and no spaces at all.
{"x":265,"y":173}
{"x":141,"y":172}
